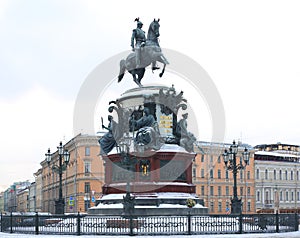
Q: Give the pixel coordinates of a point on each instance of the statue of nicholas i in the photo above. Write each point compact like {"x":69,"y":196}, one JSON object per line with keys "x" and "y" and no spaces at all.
{"x":140,"y":39}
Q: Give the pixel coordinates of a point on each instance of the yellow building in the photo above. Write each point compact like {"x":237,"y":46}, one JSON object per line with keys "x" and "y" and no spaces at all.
{"x":38,"y":203}
{"x":22,"y":200}
{"x":214,"y":183}
{"x":82,"y":179}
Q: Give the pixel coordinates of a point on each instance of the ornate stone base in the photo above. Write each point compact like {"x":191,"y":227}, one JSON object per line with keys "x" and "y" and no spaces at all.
{"x":150,"y":204}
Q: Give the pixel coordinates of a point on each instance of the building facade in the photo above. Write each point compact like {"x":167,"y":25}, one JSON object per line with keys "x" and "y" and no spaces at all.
{"x":10,"y":196}
{"x":82,"y":179}
{"x":2,"y":202}
{"x":38,"y":191}
{"x":32,"y":197}
{"x":22,"y":199}
{"x":277,"y":178}
{"x":214,"y":183}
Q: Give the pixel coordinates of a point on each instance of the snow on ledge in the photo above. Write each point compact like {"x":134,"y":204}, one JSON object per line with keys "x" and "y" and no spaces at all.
{"x":167,"y":195}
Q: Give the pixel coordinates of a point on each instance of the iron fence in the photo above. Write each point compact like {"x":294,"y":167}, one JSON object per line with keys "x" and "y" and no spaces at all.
{"x":79,"y":224}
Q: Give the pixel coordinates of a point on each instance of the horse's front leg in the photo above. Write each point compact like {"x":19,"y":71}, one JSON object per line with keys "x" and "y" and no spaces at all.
{"x":163,"y":70}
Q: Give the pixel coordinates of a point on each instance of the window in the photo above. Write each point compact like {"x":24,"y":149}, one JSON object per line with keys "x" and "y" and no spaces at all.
{"x":226,"y":174}
{"x":202,"y":158}
{"x":194,"y":172}
{"x":298,"y":196}
{"x":87,"y":187}
{"x":286,"y":175}
{"x":87,"y":168}
{"x":202,"y":173}
{"x":274,"y":174}
{"x":211,"y":159}
{"x":248,"y":174}
{"x":248,"y":191}
{"x":211,"y":190}
{"x":211,"y":172}
{"x":219,"y":159}
{"x":241,"y":174}
{"x":266,"y":174}
{"x":227,"y":190}
{"x":248,"y":206}
{"x":280,"y":174}
{"x":286,"y":196}
{"x":86,"y":205}
{"x":257,"y":174}
{"x":219,"y":190}
{"x":241,"y":191}
{"x":292,"y":196}
{"x":202,"y":191}
{"x":297,"y":174}
{"x":87,"y":151}
{"x":212,"y":206}
{"x":292,"y":175}
{"x":258,"y":196}
{"x":219,"y":206}
{"x":267,"y":197}
{"x":281,"y":196}
{"x":219,"y":173}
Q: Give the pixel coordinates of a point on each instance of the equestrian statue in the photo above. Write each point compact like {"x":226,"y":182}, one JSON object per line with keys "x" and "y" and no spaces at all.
{"x":146,"y":51}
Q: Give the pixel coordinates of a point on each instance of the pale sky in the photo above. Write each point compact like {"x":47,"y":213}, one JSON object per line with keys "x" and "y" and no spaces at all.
{"x":250,"y":50}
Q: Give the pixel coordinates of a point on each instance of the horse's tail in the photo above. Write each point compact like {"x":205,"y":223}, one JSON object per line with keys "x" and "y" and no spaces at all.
{"x":122,"y":70}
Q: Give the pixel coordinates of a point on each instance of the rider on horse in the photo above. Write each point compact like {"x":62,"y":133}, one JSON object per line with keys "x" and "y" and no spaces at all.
{"x":140,"y":41}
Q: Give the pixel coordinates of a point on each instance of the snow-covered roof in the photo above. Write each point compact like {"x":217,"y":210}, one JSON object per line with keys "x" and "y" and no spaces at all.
{"x":273,"y":153}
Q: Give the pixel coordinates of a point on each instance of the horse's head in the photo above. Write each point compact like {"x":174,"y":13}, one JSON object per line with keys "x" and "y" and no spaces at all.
{"x":153,"y":32}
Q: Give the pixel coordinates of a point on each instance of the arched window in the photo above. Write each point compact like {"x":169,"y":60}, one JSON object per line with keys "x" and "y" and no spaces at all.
{"x":280,"y":174}
{"x":258,"y":196}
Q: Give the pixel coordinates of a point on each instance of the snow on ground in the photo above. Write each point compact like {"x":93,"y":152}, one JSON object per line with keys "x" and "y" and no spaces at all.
{"x":270,"y":235}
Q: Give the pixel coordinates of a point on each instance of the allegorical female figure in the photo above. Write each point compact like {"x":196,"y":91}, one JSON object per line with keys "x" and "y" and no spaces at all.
{"x":109,"y":140}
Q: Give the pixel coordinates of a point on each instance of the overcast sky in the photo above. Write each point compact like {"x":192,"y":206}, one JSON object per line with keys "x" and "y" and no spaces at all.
{"x":249,"y":49}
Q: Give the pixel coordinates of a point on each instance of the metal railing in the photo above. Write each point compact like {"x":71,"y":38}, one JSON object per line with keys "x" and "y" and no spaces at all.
{"x":79,"y":224}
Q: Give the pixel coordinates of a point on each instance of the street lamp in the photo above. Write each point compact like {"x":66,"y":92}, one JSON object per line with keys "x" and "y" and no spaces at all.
{"x":64,"y":158}
{"x":128,"y":162}
{"x":231,"y":164}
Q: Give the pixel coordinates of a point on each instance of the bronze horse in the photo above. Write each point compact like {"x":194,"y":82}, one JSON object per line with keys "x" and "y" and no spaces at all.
{"x":150,"y":53}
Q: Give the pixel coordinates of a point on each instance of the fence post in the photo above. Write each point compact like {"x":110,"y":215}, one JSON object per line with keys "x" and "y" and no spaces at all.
{"x":36,"y":223}
{"x":241,"y":223}
{"x":296,"y":222}
{"x":189,"y":223}
{"x":11,"y":221}
{"x":277,"y":221}
{"x":78,"y":224}
{"x":131,"y":225}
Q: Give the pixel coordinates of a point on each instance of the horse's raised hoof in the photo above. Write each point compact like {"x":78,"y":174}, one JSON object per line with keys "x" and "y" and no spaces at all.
{"x":161,"y":74}
{"x":155,"y":68}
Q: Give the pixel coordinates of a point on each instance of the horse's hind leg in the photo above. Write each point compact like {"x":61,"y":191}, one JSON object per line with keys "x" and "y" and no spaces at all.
{"x":163,"y":70}
{"x":141,"y":75}
{"x":137,"y":81}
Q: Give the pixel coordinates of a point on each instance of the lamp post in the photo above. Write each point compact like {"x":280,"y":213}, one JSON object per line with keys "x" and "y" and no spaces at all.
{"x":234,"y":166}
{"x":128,"y":162}
{"x":63,"y":160}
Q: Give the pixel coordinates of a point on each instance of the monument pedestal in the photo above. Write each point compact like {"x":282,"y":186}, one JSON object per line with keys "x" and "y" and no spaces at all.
{"x":156,"y":167}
